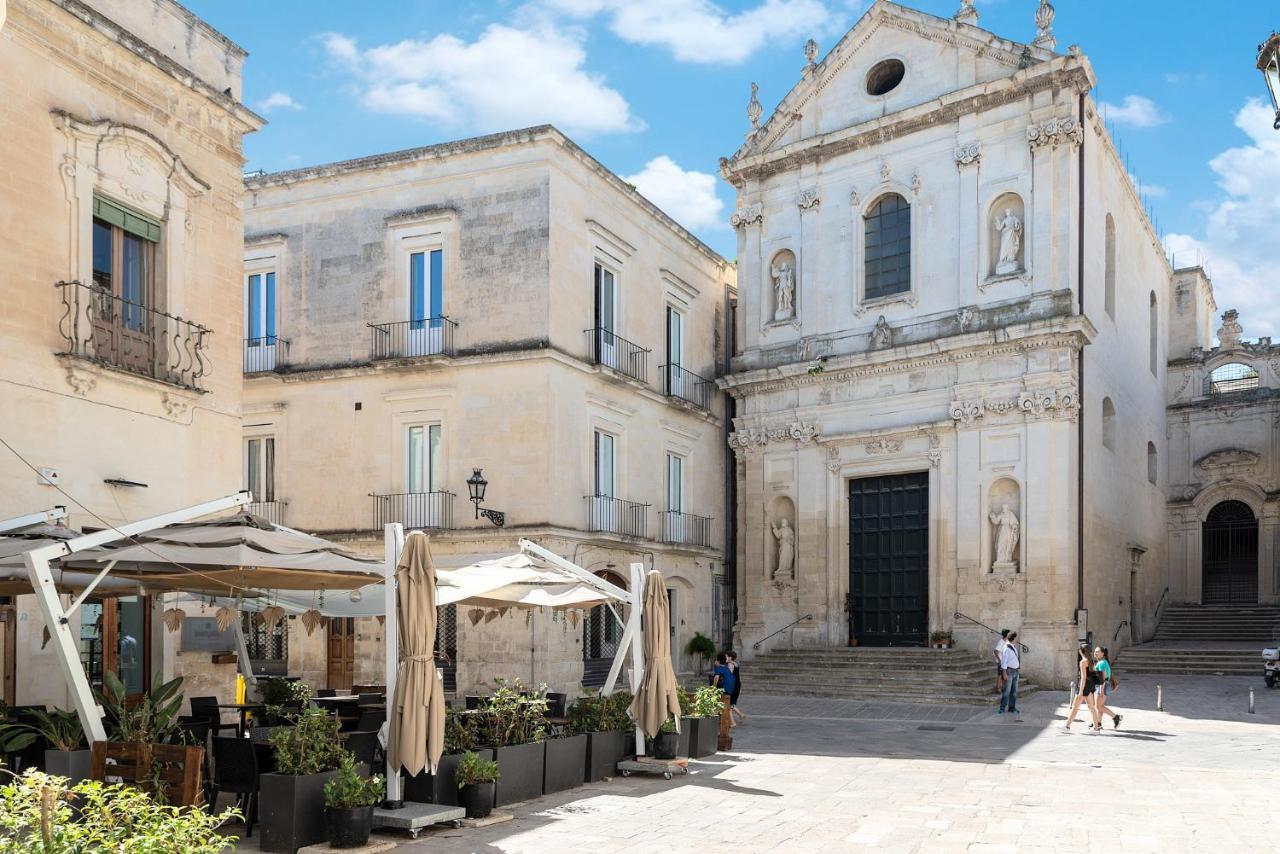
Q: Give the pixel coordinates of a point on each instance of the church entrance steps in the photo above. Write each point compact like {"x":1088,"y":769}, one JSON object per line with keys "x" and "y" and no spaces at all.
{"x":1192,"y":658}
{"x":909,"y":675}
{"x":1244,"y":623}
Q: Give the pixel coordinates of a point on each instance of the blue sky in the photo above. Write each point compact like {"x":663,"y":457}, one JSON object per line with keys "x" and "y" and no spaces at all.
{"x":657,"y":91}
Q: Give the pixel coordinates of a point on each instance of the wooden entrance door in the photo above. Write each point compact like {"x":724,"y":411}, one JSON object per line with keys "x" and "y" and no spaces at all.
{"x":889,"y":560}
{"x":8,"y":648}
{"x":115,"y":637}
{"x":342,"y":653}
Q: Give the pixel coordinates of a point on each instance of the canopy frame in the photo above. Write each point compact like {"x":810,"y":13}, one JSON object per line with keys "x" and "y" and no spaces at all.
{"x":50,"y":517}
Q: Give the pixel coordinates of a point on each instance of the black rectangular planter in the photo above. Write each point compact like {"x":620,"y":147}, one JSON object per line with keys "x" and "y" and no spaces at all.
{"x":442,"y":787}
{"x":291,"y":810}
{"x":683,"y":749}
{"x":604,"y":749}
{"x":703,"y":736}
{"x":75,"y":765}
{"x":520,"y":770}
{"x":566,"y":764}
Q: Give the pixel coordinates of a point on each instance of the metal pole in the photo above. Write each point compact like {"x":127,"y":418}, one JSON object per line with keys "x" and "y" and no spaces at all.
{"x":393,"y":544}
{"x":242,"y":653}
{"x":1251,"y":700}
{"x":1159,"y":698}
{"x":49,"y":516}
{"x":637,"y":658}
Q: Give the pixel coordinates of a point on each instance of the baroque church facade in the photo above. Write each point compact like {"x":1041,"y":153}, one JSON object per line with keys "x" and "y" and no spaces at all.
{"x":957,"y":338}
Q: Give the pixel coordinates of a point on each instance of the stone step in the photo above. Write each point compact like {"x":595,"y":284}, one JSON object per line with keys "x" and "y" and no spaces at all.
{"x":967,"y":669}
{"x":902,"y":695}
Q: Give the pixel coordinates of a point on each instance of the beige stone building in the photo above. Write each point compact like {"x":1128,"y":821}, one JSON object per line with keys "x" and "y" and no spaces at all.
{"x":503,"y":304}
{"x":120,"y":188}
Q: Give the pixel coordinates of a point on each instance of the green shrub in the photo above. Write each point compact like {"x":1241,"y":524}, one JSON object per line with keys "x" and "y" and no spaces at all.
{"x":152,"y":719}
{"x":312,"y":746}
{"x":599,"y":713}
{"x":701,"y":646}
{"x":36,"y":815}
{"x":668,"y":726}
{"x":459,"y":731}
{"x":349,"y":790}
{"x":706,"y":701}
{"x":506,"y":717}
{"x":473,"y":768}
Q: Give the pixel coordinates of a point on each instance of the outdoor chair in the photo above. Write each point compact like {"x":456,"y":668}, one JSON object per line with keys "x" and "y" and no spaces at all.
{"x":207,"y":708}
{"x":194,"y":731}
{"x":363,"y":745}
{"x":369,"y":699}
{"x":557,"y":705}
{"x":235,"y":770}
{"x":473,"y":703}
{"x":327,"y":692}
{"x":371,"y":720}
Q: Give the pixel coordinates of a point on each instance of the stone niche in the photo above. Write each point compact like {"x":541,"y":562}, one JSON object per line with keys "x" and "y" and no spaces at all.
{"x":1006,"y":237}
{"x":1004,"y":525}
{"x":780,"y":540}
{"x":782,"y":278}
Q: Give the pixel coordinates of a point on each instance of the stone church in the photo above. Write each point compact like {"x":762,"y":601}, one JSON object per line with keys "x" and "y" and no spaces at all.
{"x":971,"y":391}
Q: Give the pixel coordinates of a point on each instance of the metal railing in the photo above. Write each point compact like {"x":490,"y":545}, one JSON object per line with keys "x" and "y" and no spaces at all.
{"x":413,"y":509}
{"x":760,"y":642}
{"x":687,"y":386}
{"x":960,"y":616}
{"x":432,"y":336}
{"x":615,"y":516}
{"x":684,"y":528}
{"x":261,"y":354}
{"x":618,"y":354}
{"x":113,"y":331}
{"x":272,"y":511}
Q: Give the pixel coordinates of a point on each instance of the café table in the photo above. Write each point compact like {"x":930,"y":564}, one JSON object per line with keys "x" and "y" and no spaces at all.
{"x":243,"y":709}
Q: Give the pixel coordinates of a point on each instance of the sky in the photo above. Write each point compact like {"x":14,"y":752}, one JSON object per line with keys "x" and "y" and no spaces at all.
{"x":657,"y":91}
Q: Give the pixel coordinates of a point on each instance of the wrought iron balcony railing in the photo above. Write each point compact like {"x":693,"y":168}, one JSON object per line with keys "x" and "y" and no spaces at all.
{"x":687,"y":386}
{"x":685,"y":528}
{"x":615,"y":516}
{"x":432,"y":336}
{"x":272,"y":511}
{"x":113,"y":331}
{"x":261,"y":354}
{"x":619,"y":354}
{"x":414,"y":510}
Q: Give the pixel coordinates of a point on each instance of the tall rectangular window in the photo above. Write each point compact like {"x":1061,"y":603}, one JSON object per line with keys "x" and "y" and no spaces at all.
{"x":606,"y":300}
{"x":260,"y":468}
{"x":260,"y":308}
{"x":675,"y":337}
{"x":124,"y":274}
{"x":424,"y":467}
{"x":675,"y":483}
{"x":426,"y":287}
{"x":603,"y":464}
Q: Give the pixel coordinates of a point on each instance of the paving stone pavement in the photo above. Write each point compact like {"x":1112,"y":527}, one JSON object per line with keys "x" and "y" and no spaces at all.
{"x":811,"y":775}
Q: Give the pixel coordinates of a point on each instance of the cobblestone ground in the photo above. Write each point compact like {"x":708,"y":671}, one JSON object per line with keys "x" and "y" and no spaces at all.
{"x":830,"y":775}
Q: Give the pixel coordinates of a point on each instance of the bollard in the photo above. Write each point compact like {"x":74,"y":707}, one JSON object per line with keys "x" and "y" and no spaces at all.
{"x":1159,"y":698}
{"x":1072,"y":695}
{"x":1251,"y":700}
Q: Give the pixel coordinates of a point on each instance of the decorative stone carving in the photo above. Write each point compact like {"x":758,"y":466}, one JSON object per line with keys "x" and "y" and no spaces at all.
{"x":81,"y":382}
{"x":782,"y":270}
{"x":808,"y":199}
{"x":1230,"y":331}
{"x":747,"y":215}
{"x":810,"y":56}
{"x":935,"y":449}
{"x":882,"y":335}
{"x":883,"y":446}
{"x":802,"y":432}
{"x":966,"y":411}
{"x":1229,"y":461}
{"x":965,"y":317}
{"x":754,"y":110}
{"x":915,"y":183}
{"x":1055,"y":131}
{"x":785,"y":565}
{"x":1044,"y":26}
{"x":968,"y":153}
{"x":747,"y":441}
{"x":886,"y":171}
{"x":854,"y":199}
{"x":967,"y":14}
{"x":175,"y":406}
{"x":1049,"y":403}
{"x":1005,"y":539}
{"x":755,"y":438}
{"x":833,"y":460}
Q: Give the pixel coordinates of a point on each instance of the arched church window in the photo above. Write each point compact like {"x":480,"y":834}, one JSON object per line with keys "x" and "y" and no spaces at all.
{"x":887,"y":230}
{"x":1152,"y":463}
{"x":1231,"y":377}
{"x":1109,"y":276}
{"x":1108,"y":424}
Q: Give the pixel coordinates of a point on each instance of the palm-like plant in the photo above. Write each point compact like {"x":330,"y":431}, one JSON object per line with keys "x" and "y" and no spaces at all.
{"x":152,"y":719}
{"x":60,"y":728}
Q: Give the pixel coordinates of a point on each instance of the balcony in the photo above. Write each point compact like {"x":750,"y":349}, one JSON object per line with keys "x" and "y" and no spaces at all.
{"x":128,"y":336}
{"x":414,"y":510}
{"x":272,"y":511}
{"x":687,"y":386}
{"x":609,"y":515}
{"x":618,"y":354}
{"x":685,"y":529}
{"x":407,"y":339}
{"x":260,"y":353}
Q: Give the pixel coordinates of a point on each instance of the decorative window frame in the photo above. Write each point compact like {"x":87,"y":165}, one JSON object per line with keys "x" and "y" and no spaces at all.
{"x":262,"y":255}
{"x":910,"y":297}
{"x":903,"y":84}
{"x":400,"y":424}
{"x":419,"y":234}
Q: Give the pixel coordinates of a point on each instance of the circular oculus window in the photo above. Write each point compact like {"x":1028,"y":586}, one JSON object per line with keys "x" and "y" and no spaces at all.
{"x":885,"y":76}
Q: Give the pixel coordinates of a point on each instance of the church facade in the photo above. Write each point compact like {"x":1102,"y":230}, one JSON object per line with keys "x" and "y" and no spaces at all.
{"x":953,"y":344}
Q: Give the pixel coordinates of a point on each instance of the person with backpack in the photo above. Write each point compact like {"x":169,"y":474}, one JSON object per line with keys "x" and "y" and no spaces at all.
{"x":1010,"y":664}
{"x":999,"y":653}
{"x":1106,"y":680}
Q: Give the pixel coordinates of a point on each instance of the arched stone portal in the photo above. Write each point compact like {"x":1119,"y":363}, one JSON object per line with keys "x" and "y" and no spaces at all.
{"x":1230,"y":555}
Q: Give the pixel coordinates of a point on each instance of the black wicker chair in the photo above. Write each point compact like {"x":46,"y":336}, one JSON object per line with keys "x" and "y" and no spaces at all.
{"x":363,"y":745}
{"x":235,"y":770}
{"x":207,"y":708}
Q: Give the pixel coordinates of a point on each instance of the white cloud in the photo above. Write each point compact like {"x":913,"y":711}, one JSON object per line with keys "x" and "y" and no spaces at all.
{"x":1238,"y":241}
{"x":701,"y":31}
{"x":1136,"y":111}
{"x":506,"y":78}
{"x":278,"y":101}
{"x":1154,"y":191}
{"x":687,"y":197}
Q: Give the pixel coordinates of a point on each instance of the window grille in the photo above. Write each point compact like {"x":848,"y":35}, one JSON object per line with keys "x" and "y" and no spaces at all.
{"x":1232,"y":377}
{"x":887,"y":264}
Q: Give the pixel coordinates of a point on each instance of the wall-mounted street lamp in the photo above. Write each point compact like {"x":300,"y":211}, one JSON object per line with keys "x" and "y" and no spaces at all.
{"x":476,"y":485}
{"x":1269,"y":65}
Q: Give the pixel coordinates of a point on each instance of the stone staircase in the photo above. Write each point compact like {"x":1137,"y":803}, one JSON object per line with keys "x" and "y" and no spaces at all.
{"x":1206,"y":640}
{"x":904,"y":675}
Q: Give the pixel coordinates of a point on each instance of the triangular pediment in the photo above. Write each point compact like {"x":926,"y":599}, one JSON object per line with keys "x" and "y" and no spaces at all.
{"x":938,"y":56}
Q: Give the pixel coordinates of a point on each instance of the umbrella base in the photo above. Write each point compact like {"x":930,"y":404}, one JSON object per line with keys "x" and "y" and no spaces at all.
{"x":668,"y":768}
{"x":413,"y":817}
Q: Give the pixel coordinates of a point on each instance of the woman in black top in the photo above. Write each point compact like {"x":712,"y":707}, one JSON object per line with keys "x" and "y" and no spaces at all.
{"x":1087,"y":686}
{"x":737,"y":689}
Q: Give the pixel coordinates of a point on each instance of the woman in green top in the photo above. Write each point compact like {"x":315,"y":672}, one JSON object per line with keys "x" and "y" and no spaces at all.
{"x":1106,"y":681}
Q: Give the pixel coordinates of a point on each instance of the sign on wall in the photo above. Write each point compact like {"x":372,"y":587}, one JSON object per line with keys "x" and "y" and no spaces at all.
{"x":201,"y":634}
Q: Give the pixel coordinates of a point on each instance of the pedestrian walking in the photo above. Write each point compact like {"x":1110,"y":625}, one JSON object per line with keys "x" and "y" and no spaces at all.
{"x":737,"y":688}
{"x":1010,"y":664}
{"x":999,"y":652}
{"x":1106,"y":682}
{"x":1085,"y":685}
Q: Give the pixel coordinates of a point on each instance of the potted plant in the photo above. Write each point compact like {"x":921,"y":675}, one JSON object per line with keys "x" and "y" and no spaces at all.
{"x":941,"y":639}
{"x":460,"y":737}
{"x":565,"y":765}
{"x":278,"y":694}
{"x":667,"y":742}
{"x":477,"y":779}
{"x":704,"y":720}
{"x":67,"y":755}
{"x":513,"y":721}
{"x":349,"y":800}
{"x":291,"y":800}
{"x":141,"y":736}
{"x":605,"y":723}
{"x":701,"y":646}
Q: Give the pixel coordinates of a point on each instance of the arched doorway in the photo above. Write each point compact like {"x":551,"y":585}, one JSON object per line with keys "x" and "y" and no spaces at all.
{"x":601,"y":635}
{"x":1230,"y":557}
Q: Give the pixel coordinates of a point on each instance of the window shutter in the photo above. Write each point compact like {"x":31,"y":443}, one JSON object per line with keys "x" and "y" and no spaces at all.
{"x":130,"y":221}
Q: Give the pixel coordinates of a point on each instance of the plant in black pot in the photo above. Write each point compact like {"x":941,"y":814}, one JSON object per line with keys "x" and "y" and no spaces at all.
{"x":279,"y":696}
{"x":704,"y":720}
{"x":514,"y":721}
{"x":667,"y":742}
{"x":349,"y":800}
{"x":66,"y":754}
{"x":291,"y":800}
{"x":477,"y":779}
{"x":604,"y":722}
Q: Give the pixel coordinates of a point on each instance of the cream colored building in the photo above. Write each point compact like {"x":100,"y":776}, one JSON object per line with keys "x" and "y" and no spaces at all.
{"x":953,"y":336}
{"x":502,"y":303}
{"x":119,"y":348}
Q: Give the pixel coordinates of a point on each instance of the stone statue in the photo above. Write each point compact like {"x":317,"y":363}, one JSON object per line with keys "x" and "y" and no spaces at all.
{"x":1006,"y":541}
{"x":882,"y":335}
{"x":786,"y":537}
{"x":784,"y":289}
{"x":754,"y":109}
{"x":1010,"y":229}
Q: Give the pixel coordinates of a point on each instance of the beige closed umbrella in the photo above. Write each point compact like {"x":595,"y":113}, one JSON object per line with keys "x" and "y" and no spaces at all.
{"x":416,"y":732}
{"x":656,"y":699}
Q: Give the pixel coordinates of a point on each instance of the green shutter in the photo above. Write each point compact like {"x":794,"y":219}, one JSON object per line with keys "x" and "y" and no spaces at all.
{"x":134,"y":223}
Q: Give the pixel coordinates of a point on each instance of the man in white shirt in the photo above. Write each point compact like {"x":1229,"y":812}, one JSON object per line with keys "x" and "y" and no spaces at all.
{"x":1010,"y":663}
{"x":1001,"y":643}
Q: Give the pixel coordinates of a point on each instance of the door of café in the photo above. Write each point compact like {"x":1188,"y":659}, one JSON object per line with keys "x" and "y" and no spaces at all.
{"x":115,"y":637}
{"x":342,"y":653}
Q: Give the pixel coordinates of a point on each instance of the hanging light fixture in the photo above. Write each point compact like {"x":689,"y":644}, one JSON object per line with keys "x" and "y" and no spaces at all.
{"x":476,"y":485}
{"x":1269,"y":65}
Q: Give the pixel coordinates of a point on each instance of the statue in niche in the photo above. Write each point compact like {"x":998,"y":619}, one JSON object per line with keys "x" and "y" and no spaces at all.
{"x":786,"y":537}
{"x":784,"y":289}
{"x":1006,"y":538}
{"x":1009,"y":227}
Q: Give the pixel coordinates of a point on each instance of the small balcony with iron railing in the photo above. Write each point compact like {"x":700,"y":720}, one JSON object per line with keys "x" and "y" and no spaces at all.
{"x":409,"y":339}
{"x":414,"y":510}
{"x":684,"y":529}
{"x":686,"y":387}
{"x":609,"y":515}
{"x":618,"y":354}
{"x":272,"y":511}
{"x":114,"y":332}
{"x":261,"y":355}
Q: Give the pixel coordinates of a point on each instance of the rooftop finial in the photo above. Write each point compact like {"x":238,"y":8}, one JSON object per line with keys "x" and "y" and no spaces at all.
{"x":1044,"y":26}
{"x":967,"y":14}
{"x":753,"y":107}
{"x":810,"y":54}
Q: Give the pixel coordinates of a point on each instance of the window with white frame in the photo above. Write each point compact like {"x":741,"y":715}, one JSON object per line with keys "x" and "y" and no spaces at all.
{"x":426,"y":288}
{"x":260,"y":321}
{"x":260,"y":468}
{"x":675,"y":483}
{"x":424,"y":466}
{"x":603,"y":464}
